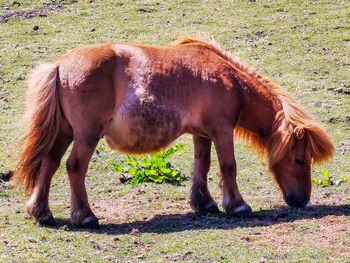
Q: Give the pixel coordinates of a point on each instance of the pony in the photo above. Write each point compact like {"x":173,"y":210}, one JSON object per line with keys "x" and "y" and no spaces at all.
{"x":141,"y":98}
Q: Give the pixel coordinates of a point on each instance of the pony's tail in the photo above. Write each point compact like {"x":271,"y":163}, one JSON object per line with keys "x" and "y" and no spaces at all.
{"x":43,"y":116}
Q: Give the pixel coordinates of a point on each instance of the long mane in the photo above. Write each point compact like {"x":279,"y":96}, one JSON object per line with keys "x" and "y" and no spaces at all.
{"x":290,"y":115}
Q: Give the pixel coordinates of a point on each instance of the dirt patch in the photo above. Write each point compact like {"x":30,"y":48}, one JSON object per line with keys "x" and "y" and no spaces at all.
{"x":127,"y":208}
{"x":324,"y":232}
{"x":26,"y":13}
{"x":332,"y":232}
{"x":324,"y":223}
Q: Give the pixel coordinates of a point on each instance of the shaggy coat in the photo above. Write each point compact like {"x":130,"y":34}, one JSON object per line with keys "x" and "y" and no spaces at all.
{"x":141,"y":98}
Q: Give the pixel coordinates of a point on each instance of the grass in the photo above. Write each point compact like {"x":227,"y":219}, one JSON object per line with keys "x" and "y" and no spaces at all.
{"x":302,"y":45}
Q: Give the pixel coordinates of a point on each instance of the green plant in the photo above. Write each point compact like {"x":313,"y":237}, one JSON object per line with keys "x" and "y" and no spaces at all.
{"x":327,"y":179}
{"x":151,"y":168}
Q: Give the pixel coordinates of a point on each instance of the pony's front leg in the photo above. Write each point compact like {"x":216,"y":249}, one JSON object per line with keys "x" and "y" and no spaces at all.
{"x":77,"y":166}
{"x":38,"y":203}
{"x":200,"y":198}
{"x":232,"y":202}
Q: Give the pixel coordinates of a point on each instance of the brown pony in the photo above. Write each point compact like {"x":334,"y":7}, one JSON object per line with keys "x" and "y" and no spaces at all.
{"x":141,"y":98}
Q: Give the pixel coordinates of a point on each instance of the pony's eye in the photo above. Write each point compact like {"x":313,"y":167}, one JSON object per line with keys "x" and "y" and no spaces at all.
{"x":299,"y":161}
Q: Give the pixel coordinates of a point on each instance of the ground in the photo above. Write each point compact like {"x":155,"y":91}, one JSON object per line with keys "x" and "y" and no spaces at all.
{"x":304,"y":46}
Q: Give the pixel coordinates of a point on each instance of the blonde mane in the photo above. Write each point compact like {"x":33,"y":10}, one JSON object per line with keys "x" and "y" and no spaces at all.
{"x":290,"y":115}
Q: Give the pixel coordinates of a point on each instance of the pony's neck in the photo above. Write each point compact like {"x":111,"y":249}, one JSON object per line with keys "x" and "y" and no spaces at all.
{"x":259,"y":112}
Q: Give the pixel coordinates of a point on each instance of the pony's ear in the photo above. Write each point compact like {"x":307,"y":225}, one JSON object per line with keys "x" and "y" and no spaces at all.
{"x":299,"y":133}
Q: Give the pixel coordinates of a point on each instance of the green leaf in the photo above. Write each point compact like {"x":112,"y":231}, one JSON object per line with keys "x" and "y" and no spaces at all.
{"x":326,"y":173}
{"x":134,"y":181}
{"x":133,"y":171}
{"x":344,"y":178}
{"x":163,"y":178}
{"x":169,"y":152}
{"x":155,"y":158}
{"x":118,"y":168}
{"x":151,"y":172}
{"x":146,"y":162}
{"x":175,"y":172}
{"x":326,"y":182}
{"x":172,"y":150}
{"x":165,"y":170}
{"x":131,"y":160}
{"x":180,"y":147}
{"x":159,"y":162}
{"x":155,"y":178}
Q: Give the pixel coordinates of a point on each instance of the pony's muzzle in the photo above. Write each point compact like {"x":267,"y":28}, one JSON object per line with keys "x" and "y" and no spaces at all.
{"x":295,"y":199}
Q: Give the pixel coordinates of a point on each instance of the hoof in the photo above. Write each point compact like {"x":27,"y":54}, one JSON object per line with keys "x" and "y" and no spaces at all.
{"x":47,"y":221}
{"x":241,"y":211}
{"x":90,"y":222}
{"x":212,"y":207}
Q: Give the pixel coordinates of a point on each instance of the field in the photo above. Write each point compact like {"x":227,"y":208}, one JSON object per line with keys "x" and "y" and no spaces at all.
{"x":304,"y":46}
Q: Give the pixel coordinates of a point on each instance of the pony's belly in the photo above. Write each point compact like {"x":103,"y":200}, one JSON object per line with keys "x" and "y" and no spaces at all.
{"x":143,"y":131}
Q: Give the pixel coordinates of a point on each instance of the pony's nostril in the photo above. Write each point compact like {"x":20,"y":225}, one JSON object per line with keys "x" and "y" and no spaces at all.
{"x":296,"y":200}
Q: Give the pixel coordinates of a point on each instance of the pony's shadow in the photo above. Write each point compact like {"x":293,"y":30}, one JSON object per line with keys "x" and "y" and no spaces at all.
{"x":194,"y":220}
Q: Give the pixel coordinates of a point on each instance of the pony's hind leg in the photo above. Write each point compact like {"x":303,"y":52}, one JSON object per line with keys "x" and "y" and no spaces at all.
{"x":38,"y":203}
{"x":232,"y":202}
{"x":200,"y":198}
{"x":77,"y":166}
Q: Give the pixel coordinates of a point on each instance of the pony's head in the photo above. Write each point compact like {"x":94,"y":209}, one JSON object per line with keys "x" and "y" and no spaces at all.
{"x":297,"y":143}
